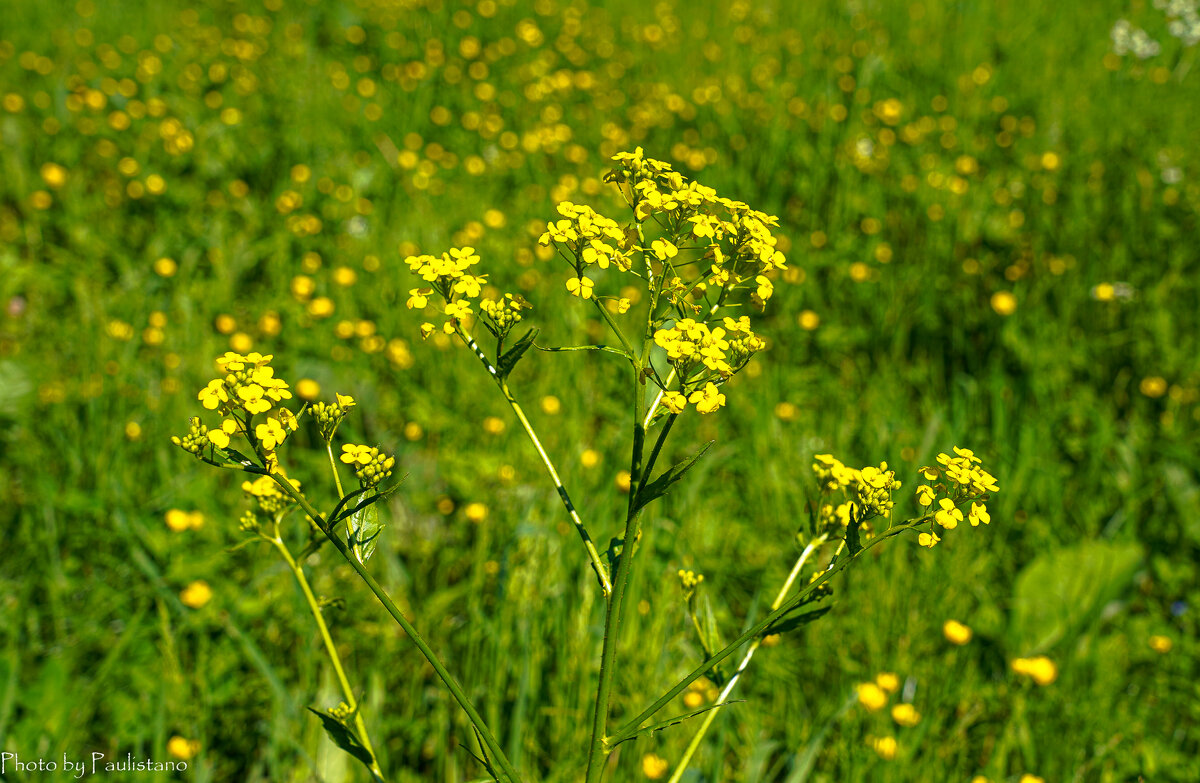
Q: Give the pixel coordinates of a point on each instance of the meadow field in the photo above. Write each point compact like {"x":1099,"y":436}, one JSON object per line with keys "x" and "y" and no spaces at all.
{"x":991,"y":219}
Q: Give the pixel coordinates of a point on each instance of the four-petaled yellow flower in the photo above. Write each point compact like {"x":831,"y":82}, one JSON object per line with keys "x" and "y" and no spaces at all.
{"x":949,"y":515}
{"x":418,"y":298}
{"x":580,"y":286}
{"x":925,"y":495}
{"x":674,"y":401}
{"x":708,"y":399}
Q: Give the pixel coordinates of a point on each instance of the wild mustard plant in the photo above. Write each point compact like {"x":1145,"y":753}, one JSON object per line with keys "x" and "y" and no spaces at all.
{"x":707,"y":265}
{"x":253,"y":425}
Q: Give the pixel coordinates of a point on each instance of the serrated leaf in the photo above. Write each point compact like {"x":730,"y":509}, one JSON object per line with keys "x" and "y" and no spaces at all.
{"x":508,"y":360}
{"x":674,"y":721}
{"x":362,"y":532}
{"x":657,"y":488}
{"x":343,"y":736}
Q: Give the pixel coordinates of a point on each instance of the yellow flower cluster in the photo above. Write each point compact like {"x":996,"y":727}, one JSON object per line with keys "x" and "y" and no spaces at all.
{"x":868,"y":491}
{"x":266,"y":493}
{"x":735,"y":239}
{"x":371,"y":466}
{"x":452,"y":282}
{"x":704,"y":357}
{"x":248,"y":387}
{"x":689,"y":581}
{"x":249,"y":383}
{"x":588,"y":239}
{"x":965,"y":480}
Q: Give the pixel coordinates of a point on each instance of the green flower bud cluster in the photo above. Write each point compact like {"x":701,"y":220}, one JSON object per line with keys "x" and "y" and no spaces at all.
{"x":329,"y":415}
{"x":503,"y":313}
{"x":371,"y":466}
{"x":196,"y":439}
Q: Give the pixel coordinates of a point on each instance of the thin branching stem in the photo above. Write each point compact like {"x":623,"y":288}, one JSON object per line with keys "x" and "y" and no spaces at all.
{"x":589,"y":545}
{"x":330,"y":649}
{"x":631,"y":727}
{"x":497,"y":753}
{"x":711,"y":715}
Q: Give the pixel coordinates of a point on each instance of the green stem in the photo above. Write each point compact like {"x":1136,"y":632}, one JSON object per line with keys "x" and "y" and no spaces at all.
{"x":711,"y":715}
{"x":443,"y":673}
{"x":616,"y":329}
{"x":589,"y":545}
{"x":337,"y":479}
{"x":616,"y":606}
{"x":330,"y":649}
{"x":631,"y":727}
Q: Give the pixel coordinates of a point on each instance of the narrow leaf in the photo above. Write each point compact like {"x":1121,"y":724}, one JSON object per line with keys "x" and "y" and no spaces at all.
{"x":657,"y":488}
{"x":343,"y":736}
{"x":657,"y":727}
{"x":508,"y":360}
{"x":794,"y":621}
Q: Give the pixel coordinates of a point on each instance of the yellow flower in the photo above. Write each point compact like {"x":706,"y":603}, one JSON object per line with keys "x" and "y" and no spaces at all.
{"x":949,"y":516}
{"x":654,"y":767}
{"x":196,"y":594}
{"x":1027,"y":778}
{"x":476,"y":512}
{"x":956,"y":633}
{"x":925,"y":495}
{"x":885,"y":747}
{"x":220,"y":437}
{"x":663,"y":249}
{"x":929,"y":540}
{"x":979,"y":514}
{"x":1040,"y":669}
{"x":581,"y":287}
{"x":708,"y":399}
{"x":906,"y":715}
{"x":418,"y":298}
{"x":674,"y":402}
{"x":1004,"y":303}
{"x":871,"y":696}
{"x":54,"y":175}
{"x":888,"y":681}
{"x":1161,"y":644}
{"x":183,"y":749}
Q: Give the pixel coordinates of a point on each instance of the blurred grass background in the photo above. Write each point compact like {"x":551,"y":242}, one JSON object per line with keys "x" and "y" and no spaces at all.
{"x":991,"y":221}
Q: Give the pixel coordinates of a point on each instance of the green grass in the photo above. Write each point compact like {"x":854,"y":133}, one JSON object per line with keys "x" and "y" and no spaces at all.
{"x":99,"y":654}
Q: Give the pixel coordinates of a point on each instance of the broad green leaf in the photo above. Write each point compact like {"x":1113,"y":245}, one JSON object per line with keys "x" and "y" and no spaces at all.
{"x":508,"y":360}
{"x":657,"y":488}
{"x":1061,"y":592}
{"x":362,"y":532}
{"x":343,"y":736}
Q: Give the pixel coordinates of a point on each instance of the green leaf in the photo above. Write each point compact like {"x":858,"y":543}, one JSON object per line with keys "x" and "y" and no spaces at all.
{"x":343,"y":736}
{"x":792,"y":621}
{"x":1061,"y":592}
{"x":508,"y":360}
{"x":669,"y":722}
{"x":710,"y":632}
{"x":362,"y":532}
{"x":657,"y":488}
